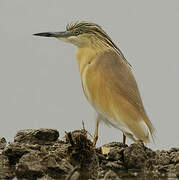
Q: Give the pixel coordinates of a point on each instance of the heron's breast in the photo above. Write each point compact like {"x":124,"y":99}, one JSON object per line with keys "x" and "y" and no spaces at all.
{"x":94,"y":88}
{"x":94,"y":85}
{"x":86,"y":63}
{"x":84,"y":83}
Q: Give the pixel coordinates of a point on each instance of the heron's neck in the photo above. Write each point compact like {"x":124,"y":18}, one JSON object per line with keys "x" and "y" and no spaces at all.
{"x":85,"y":55}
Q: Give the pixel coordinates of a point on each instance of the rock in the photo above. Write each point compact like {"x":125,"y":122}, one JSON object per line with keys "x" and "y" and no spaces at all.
{"x":111,"y":175}
{"x":39,"y":136}
{"x":4,"y":161}
{"x":82,"y":154}
{"x":56,"y":169}
{"x":14,"y":152}
{"x":163,"y":157}
{"x":136,"y":155}
{"x":177,"y":170}
{"x":39,"y":154}
{"x":29,"y":166}
{"x":175,"y":157}
{"x":75,"y":176}
{"x":46,"y":177}
{"x":174,"y":149}
{"x":115,"y":154}
{"x":115,"y":165}
{"x":105,"y":150}
{"x":2,"y":143}
{"x":60,"y":148}
{"x":114,"y":159}
{"x":115,"y":144}
{"x":5,"y":171}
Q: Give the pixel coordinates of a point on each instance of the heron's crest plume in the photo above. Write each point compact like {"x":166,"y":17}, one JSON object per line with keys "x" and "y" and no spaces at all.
{"x":84,"y":27}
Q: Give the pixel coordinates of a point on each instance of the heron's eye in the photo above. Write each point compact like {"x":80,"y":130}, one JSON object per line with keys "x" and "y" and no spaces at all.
{"x":77,"y":32}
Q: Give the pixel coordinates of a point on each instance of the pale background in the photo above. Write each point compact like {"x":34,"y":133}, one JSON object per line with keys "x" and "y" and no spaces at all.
{"x":39,"y":78}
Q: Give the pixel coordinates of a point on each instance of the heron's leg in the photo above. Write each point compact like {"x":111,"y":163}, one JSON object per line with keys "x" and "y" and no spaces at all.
{"x":124,"y":139}
{"x":95,"y":138}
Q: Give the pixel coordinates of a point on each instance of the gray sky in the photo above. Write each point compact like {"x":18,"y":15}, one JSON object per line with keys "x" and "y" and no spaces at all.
{"x":40,"y":82}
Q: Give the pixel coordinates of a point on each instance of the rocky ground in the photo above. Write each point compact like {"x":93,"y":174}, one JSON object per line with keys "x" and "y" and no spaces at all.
{"x":40,"y":154}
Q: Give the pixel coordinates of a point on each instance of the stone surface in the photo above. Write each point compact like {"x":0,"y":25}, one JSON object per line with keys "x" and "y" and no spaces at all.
{"x":6,"y":172}
{"x":111,"y":175}
{"x":39,"y":154}
{"x":2,"y":143}
{"x":29,"y":166}
{"x":177,"y":170}
{"x":135,"y":156}
{"x":39,"y":136}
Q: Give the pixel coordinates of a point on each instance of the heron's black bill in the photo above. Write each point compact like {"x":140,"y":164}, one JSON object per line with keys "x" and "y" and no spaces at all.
{"x":64,"y":34}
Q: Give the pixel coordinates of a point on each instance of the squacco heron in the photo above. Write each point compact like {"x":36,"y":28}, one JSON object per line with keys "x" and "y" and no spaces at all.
{"x":107,"y":81}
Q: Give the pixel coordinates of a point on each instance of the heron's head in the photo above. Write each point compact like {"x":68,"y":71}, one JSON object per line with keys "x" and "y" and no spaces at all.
{"x":82,"y":34}
{"x":85,"y":34}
